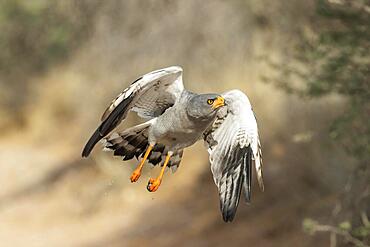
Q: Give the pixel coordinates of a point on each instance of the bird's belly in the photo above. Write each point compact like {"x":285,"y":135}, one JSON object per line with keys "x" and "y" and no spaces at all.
{"x":175,"y":130}
{"x":179,"y":139}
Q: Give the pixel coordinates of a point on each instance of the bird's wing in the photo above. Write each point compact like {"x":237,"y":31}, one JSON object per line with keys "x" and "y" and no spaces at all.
{"x":234,"y":146}
{"x":149,"y":96}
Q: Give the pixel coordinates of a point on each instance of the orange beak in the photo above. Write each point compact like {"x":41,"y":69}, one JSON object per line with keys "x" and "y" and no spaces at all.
{"x":219,"y":101}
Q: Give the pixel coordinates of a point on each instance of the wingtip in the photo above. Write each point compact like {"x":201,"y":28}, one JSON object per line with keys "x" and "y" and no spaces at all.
{"x":228,"y":216}
{"x":174,"y":69}
{"x":91,"y":143}
{"x":85,"y":152}
{"x":262,"y":187}
{"x":228,"y":211}
{"x":248,"y":198}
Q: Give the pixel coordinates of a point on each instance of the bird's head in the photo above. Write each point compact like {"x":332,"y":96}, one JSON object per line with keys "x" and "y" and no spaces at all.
{"x":205,"y":106}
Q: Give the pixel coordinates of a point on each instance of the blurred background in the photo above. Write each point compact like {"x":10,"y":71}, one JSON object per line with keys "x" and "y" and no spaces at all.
{"x":303,"y":64}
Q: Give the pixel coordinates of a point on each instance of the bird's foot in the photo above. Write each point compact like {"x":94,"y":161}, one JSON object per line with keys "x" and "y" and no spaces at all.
{"x":153,"y":184}
{"x":135,"y":175}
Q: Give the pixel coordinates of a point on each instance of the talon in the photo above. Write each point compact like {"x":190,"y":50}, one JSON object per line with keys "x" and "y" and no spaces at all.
{"x":153,"y":184}
{"x":135,"y":176}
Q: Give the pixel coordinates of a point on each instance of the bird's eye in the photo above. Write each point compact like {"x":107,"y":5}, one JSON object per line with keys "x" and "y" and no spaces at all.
{"x":210,"y":101}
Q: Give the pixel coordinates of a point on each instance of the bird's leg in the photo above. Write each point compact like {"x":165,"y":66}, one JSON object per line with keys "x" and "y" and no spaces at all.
{"x":136,"y":174}
{"x":153,"y":184}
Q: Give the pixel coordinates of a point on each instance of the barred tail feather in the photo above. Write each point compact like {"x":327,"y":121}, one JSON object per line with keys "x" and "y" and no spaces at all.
{"x":133,"y":142}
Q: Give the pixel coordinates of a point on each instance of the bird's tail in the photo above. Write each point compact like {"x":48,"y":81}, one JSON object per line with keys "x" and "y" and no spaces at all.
{"x":133,"y":142}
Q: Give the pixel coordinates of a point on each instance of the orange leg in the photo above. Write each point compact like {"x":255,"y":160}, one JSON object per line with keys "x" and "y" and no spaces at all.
{"x":136,"y":174}
{"x":153,"y":184}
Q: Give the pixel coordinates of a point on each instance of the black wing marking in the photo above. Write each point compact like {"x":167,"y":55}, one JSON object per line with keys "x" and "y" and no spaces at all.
{"x":131,"y":97}
{"x":232,"y":181}
{"x":247,"y":174}
{"x":107,"y":126}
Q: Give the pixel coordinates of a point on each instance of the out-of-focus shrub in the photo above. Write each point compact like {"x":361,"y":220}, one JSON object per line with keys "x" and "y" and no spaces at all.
{"x":333,"y":58}
{"x":35,"y":35}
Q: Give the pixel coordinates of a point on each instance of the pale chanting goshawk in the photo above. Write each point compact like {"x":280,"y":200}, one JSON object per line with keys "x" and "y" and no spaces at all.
{"x":177,"y":118}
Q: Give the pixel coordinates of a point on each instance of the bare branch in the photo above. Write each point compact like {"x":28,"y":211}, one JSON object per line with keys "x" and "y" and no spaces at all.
{"x":337,"y":231}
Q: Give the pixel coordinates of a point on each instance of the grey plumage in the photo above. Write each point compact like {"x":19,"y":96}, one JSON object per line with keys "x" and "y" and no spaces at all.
{"x":176,"y":119}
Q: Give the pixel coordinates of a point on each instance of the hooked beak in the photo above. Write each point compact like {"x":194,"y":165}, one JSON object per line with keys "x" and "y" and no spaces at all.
{"x":219,"y":101}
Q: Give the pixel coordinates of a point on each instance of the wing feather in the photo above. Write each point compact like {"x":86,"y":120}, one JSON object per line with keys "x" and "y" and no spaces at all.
{"x":149,"y":96}
{"x":233,"y":146}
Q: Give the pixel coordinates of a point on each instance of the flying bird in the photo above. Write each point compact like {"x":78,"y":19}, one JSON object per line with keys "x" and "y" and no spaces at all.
{"x":176,"y":119}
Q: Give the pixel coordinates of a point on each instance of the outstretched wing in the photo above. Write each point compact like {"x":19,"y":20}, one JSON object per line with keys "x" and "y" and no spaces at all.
{"x":149,"y":96}
{"x":234,"y":146}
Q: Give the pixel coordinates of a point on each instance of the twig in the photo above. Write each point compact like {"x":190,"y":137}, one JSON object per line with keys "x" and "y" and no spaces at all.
{"x":348,"y":237}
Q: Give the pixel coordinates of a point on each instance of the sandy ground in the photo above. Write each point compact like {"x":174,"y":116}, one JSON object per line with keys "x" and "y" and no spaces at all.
{"x":52,"y":198}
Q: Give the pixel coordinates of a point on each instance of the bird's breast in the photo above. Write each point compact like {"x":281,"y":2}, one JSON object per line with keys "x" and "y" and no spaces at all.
{"x":176,"y":130}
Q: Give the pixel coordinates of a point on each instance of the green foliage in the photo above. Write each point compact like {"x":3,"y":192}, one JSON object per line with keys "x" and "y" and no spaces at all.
{"x":336,"y":60}
{"x":345,"y":226}
{"x":37,"y":34}
{"x":361,"y":232}
{"x":309,"y":226}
